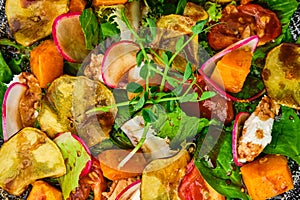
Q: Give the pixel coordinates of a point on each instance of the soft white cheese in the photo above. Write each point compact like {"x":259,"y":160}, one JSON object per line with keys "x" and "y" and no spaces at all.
{"x":252,"y":125}
{"x":154,"y":147}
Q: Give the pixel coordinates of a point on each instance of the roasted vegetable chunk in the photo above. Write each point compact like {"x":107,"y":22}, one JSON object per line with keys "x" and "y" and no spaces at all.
{"x":267,"y":177}
{"x":161,"y":177}
{"x":42,"y":190}
{"x":65,"y":105}
{"x":27,"y":156}
{"x":46,"y":63}
{"x":30,"y":21}
{"x":281,"y":75}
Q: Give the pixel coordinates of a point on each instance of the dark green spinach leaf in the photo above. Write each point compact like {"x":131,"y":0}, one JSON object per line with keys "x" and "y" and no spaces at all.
{"x":217,"y":166}
{"x":90,"y":28}
{"x":285,"y":135}
{"x":5,"y":72}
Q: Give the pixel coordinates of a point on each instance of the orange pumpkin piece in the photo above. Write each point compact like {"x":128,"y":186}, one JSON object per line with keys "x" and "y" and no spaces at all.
{"x":77,"y":5}
{"x":110,"y":160}
{"x":108,"y":2}
{"x":231,"y":71}
{"x":267,"y":177}
{"x":42,"y":190}
{"x":46,"y":63}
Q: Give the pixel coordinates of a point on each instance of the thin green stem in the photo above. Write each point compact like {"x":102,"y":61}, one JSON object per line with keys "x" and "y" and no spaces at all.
{"x":178,"y":51}
{"x":137,"y":147}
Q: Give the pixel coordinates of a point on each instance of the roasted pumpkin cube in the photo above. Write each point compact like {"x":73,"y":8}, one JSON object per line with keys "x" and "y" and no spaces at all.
{"x":42,"y":190}
{"x":231,"y":71}
{"x":46,"y":63}
{"x":267,"y":177}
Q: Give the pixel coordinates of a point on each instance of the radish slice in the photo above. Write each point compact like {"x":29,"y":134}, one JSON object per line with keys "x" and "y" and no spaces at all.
{"x":11,"y":119}
{"x":237,"y":129}
{"x":208,"y":67}
{"x":69,"y":38}
{"x":118,"y":60}
{"x":132,"y":192}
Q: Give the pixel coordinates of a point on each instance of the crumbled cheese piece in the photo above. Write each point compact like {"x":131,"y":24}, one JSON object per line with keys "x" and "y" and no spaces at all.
{"x":154,"y":147}
{"x":256,"y":134}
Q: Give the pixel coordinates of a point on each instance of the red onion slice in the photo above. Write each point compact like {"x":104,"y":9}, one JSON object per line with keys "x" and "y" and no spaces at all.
{"x":237,"y":129}
{"x":207,"y":68}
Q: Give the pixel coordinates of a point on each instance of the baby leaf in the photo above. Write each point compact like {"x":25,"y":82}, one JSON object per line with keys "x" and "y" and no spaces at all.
{"x":198,"y":28}
{"x":149,"y":116}
{"x":134,"y":87}
{"x":206,"y":95}
{"x":188,"y":72}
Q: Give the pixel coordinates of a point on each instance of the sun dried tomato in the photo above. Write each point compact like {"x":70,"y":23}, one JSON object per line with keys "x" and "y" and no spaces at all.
{"x":239,"y":22}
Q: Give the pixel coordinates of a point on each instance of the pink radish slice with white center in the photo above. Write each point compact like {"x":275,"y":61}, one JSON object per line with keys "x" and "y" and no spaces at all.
{"x":69,"y":38}
{"x":208,"y":67}
{"x":236,"y":132}
{"x":132,"y":192}
{"x":119,"y":58}
{"x":11,"y":120}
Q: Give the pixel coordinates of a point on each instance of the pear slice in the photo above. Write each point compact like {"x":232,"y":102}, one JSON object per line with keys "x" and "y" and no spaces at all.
{"x":26,"y":157}
{"x":281,"y":75}
{"x":30,"y":21}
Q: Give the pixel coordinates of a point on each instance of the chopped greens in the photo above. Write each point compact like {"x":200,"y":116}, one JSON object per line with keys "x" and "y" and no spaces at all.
{"x":217,"y":166}
{"x":285,"y":133}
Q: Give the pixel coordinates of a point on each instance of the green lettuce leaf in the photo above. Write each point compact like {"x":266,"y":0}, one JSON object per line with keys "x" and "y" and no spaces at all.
{"x":75,"y":157}
{"x":5,"y":72}
{"x":217,"y":166}
{"x":177,"y":126}
{"x":285,"y":135}
{"x":90,"y":27}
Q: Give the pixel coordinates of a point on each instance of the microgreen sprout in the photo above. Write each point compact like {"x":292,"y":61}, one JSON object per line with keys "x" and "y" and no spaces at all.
{"x":148,"y":68}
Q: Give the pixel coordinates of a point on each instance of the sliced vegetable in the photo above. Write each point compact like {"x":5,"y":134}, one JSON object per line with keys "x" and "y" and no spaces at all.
{"x":33,"y":21}
{"x":110,"y":160}
{"x":43,"y":190}
{"x":161,"y":177}
{"x":237,"y":129}
{"x":119,"y":58}
{"x":77,"y":159}
{"x":46,"y":63}
{"x":65,"y":105}
{"x":26,"y":157}
{"x":267,"y":177}
{"x":281,"y":74}
{"x":11,"y":119}
{"x":69,"y":38}
{"x":209,"y":66}
{"x":132,"y":192}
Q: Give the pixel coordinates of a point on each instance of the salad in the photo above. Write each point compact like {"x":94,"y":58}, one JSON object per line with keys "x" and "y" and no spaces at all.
{"x":163,"y":99}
